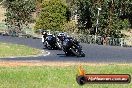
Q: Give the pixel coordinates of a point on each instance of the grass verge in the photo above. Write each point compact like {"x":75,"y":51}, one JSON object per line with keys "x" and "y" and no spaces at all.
{"x":14,"y":50}
{"x":56,"y":77}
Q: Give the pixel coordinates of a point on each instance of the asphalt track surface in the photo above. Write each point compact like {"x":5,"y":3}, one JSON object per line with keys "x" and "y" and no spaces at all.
{"x":94,"y":53}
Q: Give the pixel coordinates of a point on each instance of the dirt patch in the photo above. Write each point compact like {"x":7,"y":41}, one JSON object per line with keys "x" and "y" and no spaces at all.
{"x":62,"y":64}
{"x":2,"y":13}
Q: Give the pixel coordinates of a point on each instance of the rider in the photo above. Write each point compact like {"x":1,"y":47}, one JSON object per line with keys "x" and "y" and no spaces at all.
{"x":44,"y":35}
{"x":62,"y":36}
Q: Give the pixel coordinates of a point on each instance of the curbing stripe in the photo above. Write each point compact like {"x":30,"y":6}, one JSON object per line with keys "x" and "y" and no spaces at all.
{"x":48,"y":53}
{"x":42,"y":54}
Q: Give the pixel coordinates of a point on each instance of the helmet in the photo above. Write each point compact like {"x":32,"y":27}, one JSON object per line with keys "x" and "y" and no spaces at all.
{"x":61,"y":36}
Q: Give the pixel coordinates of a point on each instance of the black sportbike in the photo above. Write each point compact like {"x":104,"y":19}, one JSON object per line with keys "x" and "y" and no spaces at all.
{"x":51,"y":42}
{"x":71,"y":47}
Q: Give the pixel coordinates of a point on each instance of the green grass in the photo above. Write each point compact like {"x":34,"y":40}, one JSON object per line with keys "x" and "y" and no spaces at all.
{"x":9,"y":50}
{"x":56,"y":77}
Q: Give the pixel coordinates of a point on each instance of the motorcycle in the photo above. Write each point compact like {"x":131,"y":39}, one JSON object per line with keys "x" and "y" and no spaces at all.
{"x":51,"y":42}
{"x":71,"y":47}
